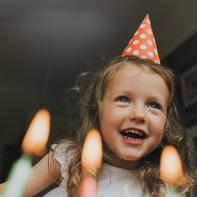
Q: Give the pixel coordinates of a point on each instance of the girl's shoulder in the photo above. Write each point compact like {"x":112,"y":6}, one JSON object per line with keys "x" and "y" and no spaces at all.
{"x":64,"y":153}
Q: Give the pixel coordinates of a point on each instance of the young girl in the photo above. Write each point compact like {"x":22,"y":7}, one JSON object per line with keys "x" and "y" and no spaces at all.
{"x":131,"y":102}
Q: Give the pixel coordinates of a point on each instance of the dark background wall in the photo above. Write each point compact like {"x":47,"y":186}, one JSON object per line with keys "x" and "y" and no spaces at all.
{"x":182,"y":60}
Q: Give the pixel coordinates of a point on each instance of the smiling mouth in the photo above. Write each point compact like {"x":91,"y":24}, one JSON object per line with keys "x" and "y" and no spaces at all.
{"x":134,"y":134}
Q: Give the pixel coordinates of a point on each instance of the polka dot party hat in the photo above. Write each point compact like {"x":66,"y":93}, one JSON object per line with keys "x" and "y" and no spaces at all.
{"x":143,"y":43}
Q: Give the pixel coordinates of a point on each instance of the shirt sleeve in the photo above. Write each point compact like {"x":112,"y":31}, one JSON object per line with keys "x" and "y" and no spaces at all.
{"x":64,"y":155}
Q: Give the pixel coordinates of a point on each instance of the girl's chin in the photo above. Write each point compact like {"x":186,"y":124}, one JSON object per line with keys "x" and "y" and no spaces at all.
{"x":130,"y":155}
{"x":122,"y":159}
{"x":128,"y":162}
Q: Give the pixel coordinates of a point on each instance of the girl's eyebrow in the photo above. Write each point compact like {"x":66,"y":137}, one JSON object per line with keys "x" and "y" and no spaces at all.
{"x":159,"y":99}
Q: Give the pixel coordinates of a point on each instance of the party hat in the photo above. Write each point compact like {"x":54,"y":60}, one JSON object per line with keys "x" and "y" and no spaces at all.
{"x":143,"y":43}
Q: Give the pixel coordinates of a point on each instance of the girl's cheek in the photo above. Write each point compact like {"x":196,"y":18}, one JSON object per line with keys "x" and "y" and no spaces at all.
{"x":120,"y":113}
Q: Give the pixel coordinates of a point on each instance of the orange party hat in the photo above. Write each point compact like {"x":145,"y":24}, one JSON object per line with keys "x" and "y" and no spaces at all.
{"x":143,"y":43}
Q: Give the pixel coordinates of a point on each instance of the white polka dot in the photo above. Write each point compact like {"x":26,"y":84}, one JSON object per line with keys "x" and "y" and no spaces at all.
{"x":148,"y":21}
{"x":149,"y":31}
{"x":136,"y":33}
{"x":143,"y":57}
{"x":142,"y":35}
{"x":150,"y":53}
{"x":142,"y":26}
{"x":150,"y":42}
{"x":136,"y":52}
{"x":155,"y":50}
{"x":143,"y":46}
{"x":135,"y":42}
{"x":128,"y":49}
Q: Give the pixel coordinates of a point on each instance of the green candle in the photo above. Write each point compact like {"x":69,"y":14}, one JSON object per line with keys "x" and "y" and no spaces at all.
{"x":21,"y":170}
{"x":171,"y":193}
{"x":34,"y":143}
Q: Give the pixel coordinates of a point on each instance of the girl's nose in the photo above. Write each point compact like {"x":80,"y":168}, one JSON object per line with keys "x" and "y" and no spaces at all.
{"x":138,"y":113}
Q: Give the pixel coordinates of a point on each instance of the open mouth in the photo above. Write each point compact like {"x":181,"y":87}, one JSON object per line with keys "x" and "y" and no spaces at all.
{"x":134,"y":134}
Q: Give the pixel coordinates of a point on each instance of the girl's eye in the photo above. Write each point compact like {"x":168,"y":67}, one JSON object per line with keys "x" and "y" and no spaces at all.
{"x":123,"y":99}
{"x":154,"y":105}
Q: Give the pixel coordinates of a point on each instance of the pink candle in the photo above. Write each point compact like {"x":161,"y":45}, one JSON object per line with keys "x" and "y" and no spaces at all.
{"x":91,"y":161}
{"x":88,"y":187}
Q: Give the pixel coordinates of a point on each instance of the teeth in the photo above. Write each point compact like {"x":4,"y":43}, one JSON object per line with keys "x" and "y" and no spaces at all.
{"x":135,"y":132}
{"x":136,"y":139}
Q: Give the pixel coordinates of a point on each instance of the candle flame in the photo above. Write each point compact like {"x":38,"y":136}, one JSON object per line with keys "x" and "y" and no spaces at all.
{"x":171,"y":170}
{"x":92,"y":153}
{"x":37,"y":135}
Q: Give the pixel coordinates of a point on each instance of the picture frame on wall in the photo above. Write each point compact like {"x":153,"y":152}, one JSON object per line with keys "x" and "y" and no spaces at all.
{"x":189,"y":86}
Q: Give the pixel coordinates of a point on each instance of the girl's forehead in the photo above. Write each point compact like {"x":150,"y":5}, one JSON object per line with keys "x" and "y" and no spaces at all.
{"x":133,"y":69}
{"x":135,"y":80}
{"x":131,"y":73}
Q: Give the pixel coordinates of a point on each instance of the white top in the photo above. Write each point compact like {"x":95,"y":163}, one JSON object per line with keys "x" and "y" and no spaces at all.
{"x":113,"y":181}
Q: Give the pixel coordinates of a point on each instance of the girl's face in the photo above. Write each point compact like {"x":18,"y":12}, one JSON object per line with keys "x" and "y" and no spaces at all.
{"x":133,"y":112}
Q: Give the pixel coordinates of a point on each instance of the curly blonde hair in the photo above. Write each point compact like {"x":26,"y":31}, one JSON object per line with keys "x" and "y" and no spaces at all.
{"x":174,"y":132}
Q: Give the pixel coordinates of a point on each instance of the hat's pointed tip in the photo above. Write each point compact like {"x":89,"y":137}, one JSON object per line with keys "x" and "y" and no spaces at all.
{"x":147,"y":16}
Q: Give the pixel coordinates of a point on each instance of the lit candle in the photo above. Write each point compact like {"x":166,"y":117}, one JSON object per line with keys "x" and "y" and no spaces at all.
{"x":19,"y":174}
{"x":171,"y":193}
{"x":34,"y":143}
{"x":91,"y":161}
{"x":171,"y":170}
